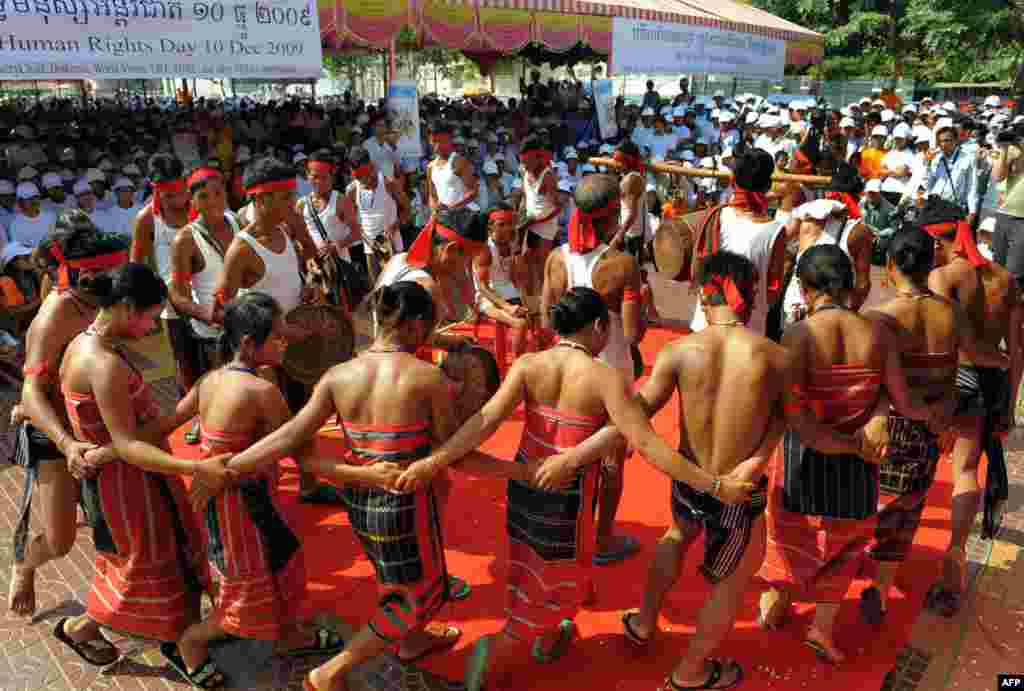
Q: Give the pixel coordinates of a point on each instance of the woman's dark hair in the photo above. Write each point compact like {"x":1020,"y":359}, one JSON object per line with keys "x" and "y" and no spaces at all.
{"x":165,"y":168}
{"x":828,"y":269}
{"x":136,"y":284}
{"x":265,"y":170}
{"x":913,"y":251}
{"x":576,"y":310}
{"x":77,"y":237}
{"x":402,"y":302}
{"x":252,"y":314}
{"x":728,"y":265}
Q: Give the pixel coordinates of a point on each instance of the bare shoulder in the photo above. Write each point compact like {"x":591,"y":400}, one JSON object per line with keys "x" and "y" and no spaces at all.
{"x":632,"y":185}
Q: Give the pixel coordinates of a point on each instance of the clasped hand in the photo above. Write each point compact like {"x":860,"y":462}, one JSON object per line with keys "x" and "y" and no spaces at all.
{"x":209,"y":478}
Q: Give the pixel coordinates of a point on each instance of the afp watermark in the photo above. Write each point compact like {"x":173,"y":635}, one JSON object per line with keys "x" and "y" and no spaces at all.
{"x":1010,"y":681}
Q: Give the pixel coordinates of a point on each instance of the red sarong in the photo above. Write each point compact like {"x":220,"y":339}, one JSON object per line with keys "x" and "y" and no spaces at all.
{"x":813,"y":553}
{"x":260,"y":569}
{"x":148,"y":545}
{"x":551,"y":534}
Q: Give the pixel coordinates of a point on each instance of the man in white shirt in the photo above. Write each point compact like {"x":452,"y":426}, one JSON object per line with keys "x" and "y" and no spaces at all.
{"x":730,"y":137}
{"x":30,"y":224}
{"x":7,"y":200}
{"x":643,"y":132}
{"x":952,"y":173}
{"x":56,"y":198}
{"x":898,"y":163}
{"x":121,"y":217}
{"x":382,"y":152}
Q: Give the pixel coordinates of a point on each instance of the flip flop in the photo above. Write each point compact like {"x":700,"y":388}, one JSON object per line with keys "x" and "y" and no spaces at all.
{"x":942,"y":601}
{"x":327,"y":643}
{"x":205,"y":675}
{"x":631,"y":635}
{"x":86,"y":649}
{"x":323,"y":494}
{"x":566,"y":629}
{"x":871,"y":606}
{"x":630,"y":546}
{"x":458,"y":588}
{"x":717,"y":670}
{"x":448,"y":639}
{"x":822,"y":652}
{"x":476,"y":667}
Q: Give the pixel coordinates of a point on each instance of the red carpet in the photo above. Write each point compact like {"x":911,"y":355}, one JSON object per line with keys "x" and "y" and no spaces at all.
{"x":342,"y":581}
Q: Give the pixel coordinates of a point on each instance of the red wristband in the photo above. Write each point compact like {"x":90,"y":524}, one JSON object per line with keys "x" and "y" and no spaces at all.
{"x":630,"y":295}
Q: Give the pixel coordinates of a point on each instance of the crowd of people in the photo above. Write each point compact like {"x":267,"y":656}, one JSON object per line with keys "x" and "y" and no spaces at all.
{"x":216,"y":221}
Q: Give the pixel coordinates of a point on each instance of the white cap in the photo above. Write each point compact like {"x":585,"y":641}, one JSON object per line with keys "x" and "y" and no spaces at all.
{"x":298,"y":158}
{"x":847,"y":122}
{"x":901,"y":131}
{"x":13,"y":250}
{"x":727,"y":152}
{"x":82,"y":187}
{"x":909,"y":108}
{"x":679,"y":112}
{"x":818,"y":210}
{"x":27,"y":190}
{"x":893,"y":186}
{"x":719,"y":94}
{"x":950,"y":106}
{"x":878,"y":102}
{"x":988,"y":225}
{"x":944,"y":124}
{"x":28,"y":173}
{"x":726,"y":116}
{"x":490,"y":168}
{"x":565,"y":186}
{"x":887,"y":115}
{"x":876,"y":90}
{"x":873,"y":186}
{"x":570,"y":153}
{"x":94,"y":175}
{"x":715,"y":113}
{"x":1018,"y":120}
{"x":688,"y":155}
{"x":880,"y":131}
{"x":752,"y":119}
{"x":647,"y":112}
{"x":6,"y":187}
{"x":517,"y":184}
{"x":798,"y":105}
{"x":51,"y":180}
{"x":922,"y":134}
{"x":651,"y":187}
{"x":606,"y":149}
{"x":123,"y":184}
{"x":131,"y":169}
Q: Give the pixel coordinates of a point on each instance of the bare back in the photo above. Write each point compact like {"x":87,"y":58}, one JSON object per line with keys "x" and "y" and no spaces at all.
{"x":837,"y":337}
{"x":730,"y":383}
{"x":986,"y":294}
{"x":240,"y":404}
{"x":566,"y":379}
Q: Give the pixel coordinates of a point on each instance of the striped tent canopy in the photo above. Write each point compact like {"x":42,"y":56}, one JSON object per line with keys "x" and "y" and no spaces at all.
{"x":507,"y":26}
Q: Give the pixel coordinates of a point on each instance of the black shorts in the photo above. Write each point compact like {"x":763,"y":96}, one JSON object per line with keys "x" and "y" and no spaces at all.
{"x":727,"y":528}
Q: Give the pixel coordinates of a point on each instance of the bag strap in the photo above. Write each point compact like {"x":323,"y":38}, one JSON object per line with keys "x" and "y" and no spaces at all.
{"x":316,"y":218}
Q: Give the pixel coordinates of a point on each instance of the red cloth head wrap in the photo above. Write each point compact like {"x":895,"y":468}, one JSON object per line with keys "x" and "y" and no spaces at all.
{"x":423,"y":246}
{"x":321,"y":167}
{"x":168,"y":187}
{"x":582,"y":234}
{"x":847,"y":200}
{"x":273,"y":186}
{"x":726,"y":287}
{"x":963,"y":241}
{"x":101,"y":262}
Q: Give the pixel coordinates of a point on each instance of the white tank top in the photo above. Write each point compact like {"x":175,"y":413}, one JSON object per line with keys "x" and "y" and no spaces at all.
{"x":204,"y":283}
{"x":334,"y":228}
{"x":793,"y":301}
{"x":377,"y":208}
{"x":500,"y":274}
{"x":581,"y":275}
{"x":539,"y":206}
{"x":449,"y":186}
{"x":163,"y":239}
{"x":281,"y":279}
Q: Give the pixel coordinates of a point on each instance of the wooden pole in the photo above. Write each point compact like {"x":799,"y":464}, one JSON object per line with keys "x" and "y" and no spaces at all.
{"x":676,"y":169}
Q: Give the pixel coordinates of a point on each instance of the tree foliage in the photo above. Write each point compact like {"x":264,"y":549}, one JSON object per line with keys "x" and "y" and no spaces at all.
{"x":931,"y":40}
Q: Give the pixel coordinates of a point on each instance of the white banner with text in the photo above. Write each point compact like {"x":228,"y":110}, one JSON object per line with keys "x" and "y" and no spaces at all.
{"x":640,"y":47}
{"x":153,"y":39}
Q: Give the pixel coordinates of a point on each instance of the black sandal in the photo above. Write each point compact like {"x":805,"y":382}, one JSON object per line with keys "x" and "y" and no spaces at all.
{"x":205,"y":676}
{"x":86,"y":649}
{"x":943,"y":601}
{"x":327,"y":643}
{"x":631,"y":635}
{"x":871,"y":606}
{"x":717,"y":670}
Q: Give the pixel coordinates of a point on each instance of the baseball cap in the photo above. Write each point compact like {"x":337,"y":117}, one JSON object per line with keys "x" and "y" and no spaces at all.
{"x":27,"y":190}
{"x":893,"y":186}
{"x":490,"y":168}
{"x":880,"y":131}
{"x":51,"y":180}
{"x":901,"y":131}
{"x":131,"y":169}
{"x":123,"y":183}
{"x":847,"y":122}
{"x":873,"y":186}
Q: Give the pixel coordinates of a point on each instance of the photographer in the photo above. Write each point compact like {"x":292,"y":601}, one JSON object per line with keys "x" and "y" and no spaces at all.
{"x":1008,"y":176}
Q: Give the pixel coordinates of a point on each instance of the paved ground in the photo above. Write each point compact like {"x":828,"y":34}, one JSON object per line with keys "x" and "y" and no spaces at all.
{"x":965,"y":653}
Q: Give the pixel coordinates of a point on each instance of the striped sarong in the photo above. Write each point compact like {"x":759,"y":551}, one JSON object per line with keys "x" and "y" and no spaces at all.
{"x":400,"y":533}
{"x":551,"y":534}
{"x":821,"y":507}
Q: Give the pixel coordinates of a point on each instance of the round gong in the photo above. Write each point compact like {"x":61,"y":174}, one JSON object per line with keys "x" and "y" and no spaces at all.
{"x":330,"y":340}
{"x":673,"y":249}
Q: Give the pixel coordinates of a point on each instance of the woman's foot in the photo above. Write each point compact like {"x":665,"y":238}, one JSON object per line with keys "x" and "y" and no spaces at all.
{"x":315,"y":681}
{"x":21,"y":598}
{"x":634,"y":630}
{"x":434,"y":638}
{"x":713,"y":674}
{"x":824,"y":647}
{"x":773,"y":610}
{"x":945,"y":596}
{"x":87,"y":641}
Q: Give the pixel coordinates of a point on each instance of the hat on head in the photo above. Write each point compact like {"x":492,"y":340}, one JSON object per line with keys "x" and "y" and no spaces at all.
{"x":131,"y":169}
{"x":726,"y":116}
{"x":878,"y":102}
{"x":797,"y":106}
{"x":122,"y":184}
{"x":490,"y":168}
{"x":94,"y":175}
{"x":688,"y":155}
{"x":873,"y":186}
{"x":647,"y":112}
{"x":944,"y":124}
{"x":893,"y":186}
{"x":909,"y":108}
{"x":13,"y":250}
{"x":27,"y":190}
{"x":880,"y":131}
{"x":679,"y":112}
{"x":901,"y":131}
{"x":950,"y":106}
{"x":847,"y":122}
{"x":989,"y":224}
{"x":570,"y":154}
{"x":51,"y":180}
{"x":82,"y":187}
{"x":887,"y":115}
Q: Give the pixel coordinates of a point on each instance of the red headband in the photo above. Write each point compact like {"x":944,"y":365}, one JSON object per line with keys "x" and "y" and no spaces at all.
{"x":751,"y":202}
{"x":422,"y":248}
{"x":101,"y":262}
{"x":543,"y":154}
{"x":726,"y":287}
{"x":852,"y":207}
{"x":963,"y":242}
{"x":499,"y":216}
{"x":274,"y":186}
{"x":630,"y":162}
{"x":167,"y":187}
{"x":582,"y":234}
{"x":203,"y":174}
{"x":321,"y":166}
{"x":361,"y":170}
